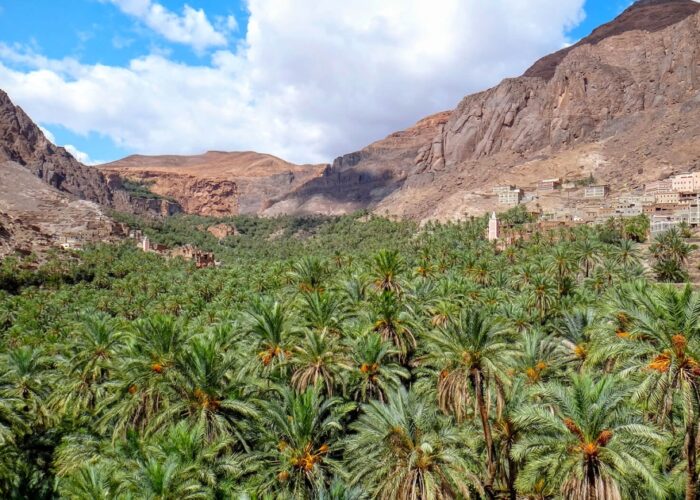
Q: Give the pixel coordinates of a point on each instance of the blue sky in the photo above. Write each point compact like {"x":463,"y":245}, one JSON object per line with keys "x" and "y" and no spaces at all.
{"x":114,"y":77}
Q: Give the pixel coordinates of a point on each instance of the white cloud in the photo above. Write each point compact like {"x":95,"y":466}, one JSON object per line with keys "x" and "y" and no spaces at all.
{"x":310,"y":81}
{"x":191,"y":28}
{"x":81,"y":156}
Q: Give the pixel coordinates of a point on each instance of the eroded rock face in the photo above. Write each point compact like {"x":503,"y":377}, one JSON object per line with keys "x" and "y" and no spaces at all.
{"x":360,"y":179}
{"x":22,"y":142}
{"x":35,"y":217}
{"x":591,"y":87}
{"x":216,"y":183}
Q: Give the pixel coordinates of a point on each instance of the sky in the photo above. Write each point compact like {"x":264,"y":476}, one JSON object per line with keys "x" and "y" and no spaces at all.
{"x":306,"y":80}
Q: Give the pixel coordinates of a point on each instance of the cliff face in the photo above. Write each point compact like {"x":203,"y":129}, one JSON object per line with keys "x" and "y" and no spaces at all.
{"x":361,"y":179}
{"x":216,"y":183}
{"x":22,"y":142}
{"x":593,"y":86}
{"x":622,"y":104}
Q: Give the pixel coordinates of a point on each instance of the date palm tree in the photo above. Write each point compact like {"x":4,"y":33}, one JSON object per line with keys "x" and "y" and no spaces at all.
{"x":393,"y":321}
{"x":469,"y":354}
{"x":271,"y":328}
{"x":661,"y":345}
{"x":318,"y":360}
{"x":374,"y":373}
{"x":88,"y":364}
{"x":298,"y":442}
{"x":584,"y":441}
{"x":208,"y":393}
{"x":387,"y":266}
{"x":308,"y":273}
{"x":403,"y":448}
{"x":141,"y":387}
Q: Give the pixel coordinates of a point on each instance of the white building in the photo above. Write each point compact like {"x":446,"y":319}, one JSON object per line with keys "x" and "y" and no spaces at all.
{"x":510,"y":198}
{"x":658,"y":186}
{"x":686,"y":183}
{"x":596,"y":191}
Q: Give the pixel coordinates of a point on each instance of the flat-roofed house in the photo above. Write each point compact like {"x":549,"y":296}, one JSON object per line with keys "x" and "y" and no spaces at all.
{"x":596,"y":191}
{"x":686,"y":183}
{"x":669,"y":197}
{"x":510,"y":198}
{"x":661,"y":186}
{"x":502,"y":189}
{"x":549,"y":184}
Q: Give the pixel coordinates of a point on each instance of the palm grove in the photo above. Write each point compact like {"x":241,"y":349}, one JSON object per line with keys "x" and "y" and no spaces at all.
{"x":353,"y":358}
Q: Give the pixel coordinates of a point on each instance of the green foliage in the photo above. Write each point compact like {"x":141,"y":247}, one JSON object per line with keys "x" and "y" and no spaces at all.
{"x":348,"y":358}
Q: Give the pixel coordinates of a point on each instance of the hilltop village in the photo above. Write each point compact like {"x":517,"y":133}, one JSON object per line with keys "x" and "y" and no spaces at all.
{"x":666,"y":202}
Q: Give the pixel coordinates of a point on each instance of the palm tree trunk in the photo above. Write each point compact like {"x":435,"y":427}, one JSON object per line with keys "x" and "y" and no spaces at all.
{"x":478,"y":386}
{"x":691,"y":485}
{"x":512,"y":474}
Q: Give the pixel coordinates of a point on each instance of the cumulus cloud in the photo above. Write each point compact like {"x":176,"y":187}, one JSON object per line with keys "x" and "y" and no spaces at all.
{"x":191,"y":28}
{"x":311,"y":80}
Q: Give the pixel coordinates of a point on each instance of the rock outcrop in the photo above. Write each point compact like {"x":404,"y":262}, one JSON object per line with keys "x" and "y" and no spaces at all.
{"x":23,"y":142}
{"x":215,"y":183}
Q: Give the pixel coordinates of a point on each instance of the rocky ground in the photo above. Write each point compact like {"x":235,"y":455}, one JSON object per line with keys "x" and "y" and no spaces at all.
{"x":35,"y":217}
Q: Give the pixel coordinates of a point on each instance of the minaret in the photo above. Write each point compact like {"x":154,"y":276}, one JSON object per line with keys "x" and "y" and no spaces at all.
{"x":494,"y":226}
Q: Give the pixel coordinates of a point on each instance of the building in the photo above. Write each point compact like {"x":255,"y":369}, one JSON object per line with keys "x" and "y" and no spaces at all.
{"x":596,"y":191}
{"x":668,"y":197}
{"x":630,"y":211}
{"x":549,"y":184}
{"x":686,"y":183}
{"x":658,"y":186}
{"x":199,"y":257}
{"x":502,"y":189}
{"x":494,"y":227}
{"x":511,"y":197}
{"x":661,"y":209}
{"x":694,"y":213}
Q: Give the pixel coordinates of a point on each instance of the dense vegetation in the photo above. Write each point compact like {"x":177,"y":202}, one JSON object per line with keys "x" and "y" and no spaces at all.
{"x":352,"y":358}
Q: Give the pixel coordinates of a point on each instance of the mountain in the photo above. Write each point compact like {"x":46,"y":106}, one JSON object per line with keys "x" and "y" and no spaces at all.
{"x":623,"y":104}
{"x":215,"y":183}
{"x":361,"y":179}
{"x":23,"y":143}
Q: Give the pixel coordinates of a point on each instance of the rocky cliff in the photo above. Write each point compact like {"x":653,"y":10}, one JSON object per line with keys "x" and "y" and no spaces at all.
{"x":361,"y":179}
{"x":22,"y":142}
{"x":216,"y":183}
{"x":622,"y":104}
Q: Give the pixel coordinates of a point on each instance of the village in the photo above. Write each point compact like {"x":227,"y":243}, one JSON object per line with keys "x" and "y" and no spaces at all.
{"x":667,"y":203}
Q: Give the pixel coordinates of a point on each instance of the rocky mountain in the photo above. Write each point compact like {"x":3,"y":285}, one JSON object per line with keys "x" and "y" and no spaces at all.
{"x":622,"y":104}
{"x":215,"y":183}
{"x":23,"y":142}
{"x":361,"y":179}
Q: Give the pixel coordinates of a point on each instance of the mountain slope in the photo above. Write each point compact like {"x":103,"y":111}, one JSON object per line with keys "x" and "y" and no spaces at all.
{"x":35,"y":216}
{"x":23,"y":142}
{"x":216,"y":183}
{"x":622,"y":104}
